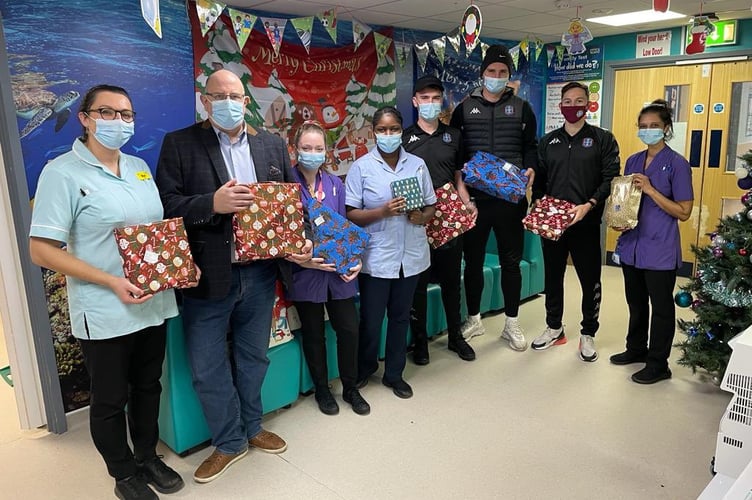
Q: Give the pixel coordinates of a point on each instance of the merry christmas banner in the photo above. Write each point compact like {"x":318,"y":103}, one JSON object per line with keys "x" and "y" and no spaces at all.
{"x":338,"y":86}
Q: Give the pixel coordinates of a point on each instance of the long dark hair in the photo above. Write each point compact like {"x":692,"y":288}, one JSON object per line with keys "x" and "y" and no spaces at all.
{"x":91,"y":96}
{"x":664,"y":112}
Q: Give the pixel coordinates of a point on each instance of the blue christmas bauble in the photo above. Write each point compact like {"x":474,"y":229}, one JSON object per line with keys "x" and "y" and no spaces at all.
{"x":683,"y":299}
{"x":692,"y":331}
{"x":745,"y":183}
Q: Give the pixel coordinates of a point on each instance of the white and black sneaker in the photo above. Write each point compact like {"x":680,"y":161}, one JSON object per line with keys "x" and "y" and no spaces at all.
{"x":472,"y":327}
{"x":549,"y":337}
{"x":587,"y":348}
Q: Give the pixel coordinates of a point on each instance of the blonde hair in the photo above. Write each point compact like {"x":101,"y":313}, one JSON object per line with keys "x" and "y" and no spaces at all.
{"x":309,"y":126}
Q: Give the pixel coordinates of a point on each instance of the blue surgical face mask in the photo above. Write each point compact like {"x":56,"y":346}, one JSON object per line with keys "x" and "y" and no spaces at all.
{"x":311,"y":160}
{"x":388,"y":143}
{"x":113,"y":134}
{"x":429,"y":111}
{"x":494,"y":85}
{"x":650,"y":136}
{"x":227,"y":114}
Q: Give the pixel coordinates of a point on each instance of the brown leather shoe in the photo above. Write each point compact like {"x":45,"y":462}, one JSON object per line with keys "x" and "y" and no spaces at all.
{"x":268,"y":442}
{"x":215,"y":465}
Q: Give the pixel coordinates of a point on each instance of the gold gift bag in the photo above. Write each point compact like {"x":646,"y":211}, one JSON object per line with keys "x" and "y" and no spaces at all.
{"x":623,"y":206}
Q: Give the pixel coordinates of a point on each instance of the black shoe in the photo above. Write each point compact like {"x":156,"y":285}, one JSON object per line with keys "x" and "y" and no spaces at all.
{"x":400,"y":388}
{"x":420,"y":353}
{"x":359,"y":405}
{"x":627,"y":357}
{"x":359,"y":384}
{"x":327,"y":404}
{"x":134,"y":488}
{"x":461,"y":347}
{"x":160,"y":475}
{"x":651,"y":375}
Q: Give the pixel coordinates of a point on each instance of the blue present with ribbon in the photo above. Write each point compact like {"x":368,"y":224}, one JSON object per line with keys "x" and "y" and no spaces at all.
{"x":335,"y":239}
{"x":496,"y":177}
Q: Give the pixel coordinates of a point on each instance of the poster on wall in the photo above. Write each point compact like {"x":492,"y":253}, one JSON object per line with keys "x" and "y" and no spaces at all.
{"x":586,"y":68}
{"x":337,"y":86}
{"x":51,"y":67}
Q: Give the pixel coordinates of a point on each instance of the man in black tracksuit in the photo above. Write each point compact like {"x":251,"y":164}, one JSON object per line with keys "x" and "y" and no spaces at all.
{"x":440,"y":147}
{"x":575,"y":163}
{"x":494,"y":120}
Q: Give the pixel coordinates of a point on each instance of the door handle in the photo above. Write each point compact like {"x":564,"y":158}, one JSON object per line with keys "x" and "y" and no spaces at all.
{"x":714,"y":150}
{"x":695,"y":146}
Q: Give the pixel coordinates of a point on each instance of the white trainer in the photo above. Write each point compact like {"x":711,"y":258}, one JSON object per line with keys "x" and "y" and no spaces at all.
{"x":549,"y":337}
{"x":472,"y":327}
{"x":587,"y":348}
{"x":513,"y":334}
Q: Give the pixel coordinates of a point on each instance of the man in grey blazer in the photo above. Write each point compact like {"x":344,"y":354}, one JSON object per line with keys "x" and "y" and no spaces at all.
{"x":201,"y":175}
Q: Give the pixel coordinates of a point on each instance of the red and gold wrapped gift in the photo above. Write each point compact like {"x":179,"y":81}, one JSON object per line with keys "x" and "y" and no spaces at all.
{"x":272,"y":226}
{"x":452,"y":217}
{"x":549,"y":218}
{"x":156,"y":256}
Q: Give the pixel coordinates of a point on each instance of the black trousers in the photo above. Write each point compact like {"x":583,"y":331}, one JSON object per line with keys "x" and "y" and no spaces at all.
{"x":377,"y":296}
{"x":344,"y":319}
{"x":505,"y":219}
{"x":124,"y":370}
{"x":446,"y":262}
{"x":657,"y":287}
{"x":583,"y":242}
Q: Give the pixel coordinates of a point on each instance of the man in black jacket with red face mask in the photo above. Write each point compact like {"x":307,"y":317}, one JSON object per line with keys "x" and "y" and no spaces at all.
{"x":575,"y":163}
{"x":494,"y":120}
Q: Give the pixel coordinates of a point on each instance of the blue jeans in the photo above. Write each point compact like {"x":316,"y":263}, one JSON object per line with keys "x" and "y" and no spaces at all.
{"x":393,"y":297}
{"x":232,"y":407}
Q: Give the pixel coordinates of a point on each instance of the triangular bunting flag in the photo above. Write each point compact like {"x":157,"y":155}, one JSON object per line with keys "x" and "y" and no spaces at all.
{"x":661,"y":5}
{"x":421,"y":51}
{"x":329,"y":19}
{"x":275,"y":29}
{"x":483,"y":48}
{"x":303,"y":27}
{"x":360,"y":32}
{"x":382,"y":45}
{"x":208,"y":13}
{"x":550,"y":54}
{"x":402,"y":49}
{"x":538,"y":48}
{"x":454,"y":39}
{"x":470,"y":28}
{"x":439,"y":48}
{"x":560,"y":53}
{"x":524,"y":47}
{"x":150,"y":13}
{"x":242,"y":24}
{"x":515,"y":53}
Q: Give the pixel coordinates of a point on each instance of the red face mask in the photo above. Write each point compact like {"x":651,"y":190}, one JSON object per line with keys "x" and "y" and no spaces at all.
{"x":573,"y":114}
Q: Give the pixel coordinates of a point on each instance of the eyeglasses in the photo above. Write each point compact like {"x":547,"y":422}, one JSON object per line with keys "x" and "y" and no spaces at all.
{"x":110,"y":114}
{"x":221,"y":97}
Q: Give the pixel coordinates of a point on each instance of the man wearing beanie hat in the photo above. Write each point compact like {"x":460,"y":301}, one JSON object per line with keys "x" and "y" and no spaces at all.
{"x":440,"y":147}
{"x":493,"y":119}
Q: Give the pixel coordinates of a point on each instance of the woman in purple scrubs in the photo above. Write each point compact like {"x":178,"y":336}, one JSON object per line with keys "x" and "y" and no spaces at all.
{"x":316,"y":284}
{"x":650,"y":254}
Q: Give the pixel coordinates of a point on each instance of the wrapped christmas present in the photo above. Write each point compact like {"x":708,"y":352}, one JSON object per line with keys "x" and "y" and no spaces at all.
{"x":335,"y":239}
{"x":496,"y":177}
{"x":272,"y":226}
{"x":156,"y":256}
{"x":549,"y":217}
{"x":284,"y":318}
{"x":452,"y":217}
{"x":410,"y":190}
{"x":623,"y":205}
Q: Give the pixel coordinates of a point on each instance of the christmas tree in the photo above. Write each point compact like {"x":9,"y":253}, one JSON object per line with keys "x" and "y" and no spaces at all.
{"x":720,"y":294}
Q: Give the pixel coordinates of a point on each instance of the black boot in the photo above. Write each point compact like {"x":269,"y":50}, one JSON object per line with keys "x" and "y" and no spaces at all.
{"x":461,"y":347}
{"x":420,"y":351}
{"x":359,"y":405}
{"x":327,"y":404}
{"x":134,"y":488}
{"x":160,"y":475}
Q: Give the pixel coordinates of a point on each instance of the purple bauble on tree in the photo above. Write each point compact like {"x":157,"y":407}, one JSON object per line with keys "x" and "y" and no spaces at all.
{"x":745,"y":183}
{"x":697,"y":303}
{"x":747,"y":198}
{"x":718,"y":252}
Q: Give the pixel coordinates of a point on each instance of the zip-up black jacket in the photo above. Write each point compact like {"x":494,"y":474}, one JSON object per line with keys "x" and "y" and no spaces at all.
{"x":577,"y":168}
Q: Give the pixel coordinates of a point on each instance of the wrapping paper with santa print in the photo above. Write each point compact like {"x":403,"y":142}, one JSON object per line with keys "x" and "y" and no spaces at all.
{"x":549,"y":217}
{"x":496,"y":177}
{"x":335,"y":239}
{"x":156,"y":256}
{"x":452,"y":217}
{"x":623,"y":206}
{"x":409,"y":189}
{"x":272,"y":226}
{"x":284,"y":318}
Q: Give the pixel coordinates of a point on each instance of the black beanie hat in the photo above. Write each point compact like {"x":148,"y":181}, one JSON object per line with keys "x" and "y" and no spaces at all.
{"x":494,"y":54}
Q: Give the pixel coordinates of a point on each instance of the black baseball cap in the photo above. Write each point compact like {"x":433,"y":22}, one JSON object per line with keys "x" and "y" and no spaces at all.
{"x":427,"y":81}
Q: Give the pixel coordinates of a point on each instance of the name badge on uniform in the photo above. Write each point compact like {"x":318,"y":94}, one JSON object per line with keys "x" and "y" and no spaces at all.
{"x":447,"y":137}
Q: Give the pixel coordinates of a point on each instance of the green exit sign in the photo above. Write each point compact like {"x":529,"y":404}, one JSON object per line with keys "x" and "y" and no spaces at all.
{"x":724,"y":34}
